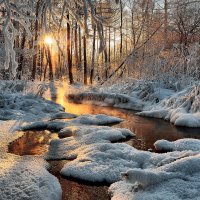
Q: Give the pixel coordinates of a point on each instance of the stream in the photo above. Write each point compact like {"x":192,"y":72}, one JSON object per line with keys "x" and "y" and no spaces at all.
{"x":147,"y":130}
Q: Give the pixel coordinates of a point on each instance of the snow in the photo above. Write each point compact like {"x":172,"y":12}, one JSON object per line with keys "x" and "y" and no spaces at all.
{"x":176,"y":180}
{"x":27,"y":178}
{"x":57,"y":125}
{"x":105,"y":162}
{"x":24,"y":177}
{"x":178,"y":145}
{"x":89,"y":144}
{"x":182,"y":109}
{"x":26,"y":107}
{"x":80,"y":136}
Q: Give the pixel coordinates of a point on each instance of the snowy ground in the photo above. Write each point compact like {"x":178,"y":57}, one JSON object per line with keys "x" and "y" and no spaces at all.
{"x":24,"y":177}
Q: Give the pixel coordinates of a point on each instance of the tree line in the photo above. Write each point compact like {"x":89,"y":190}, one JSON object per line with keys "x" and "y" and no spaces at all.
{"x":98,"y":40}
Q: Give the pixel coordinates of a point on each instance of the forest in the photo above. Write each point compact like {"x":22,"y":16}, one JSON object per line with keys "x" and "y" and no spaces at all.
{"x":99,"y":99}
{"x":95,"y":41}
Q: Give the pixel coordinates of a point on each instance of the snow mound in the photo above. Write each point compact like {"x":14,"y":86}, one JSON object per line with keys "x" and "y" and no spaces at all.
{"x":96,"y":131}
{"x":176,"y":180}
{"x":80,"y":136}
{"x":57,"y":125}
{"x":62,"y":115}
{"x":100,"y":119}
{"x":104,"y":161}
{"x":178,"y":145}
{"x":27,"y":178}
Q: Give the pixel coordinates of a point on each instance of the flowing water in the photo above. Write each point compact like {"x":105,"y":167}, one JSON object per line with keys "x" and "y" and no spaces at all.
{"x":147,"y":130}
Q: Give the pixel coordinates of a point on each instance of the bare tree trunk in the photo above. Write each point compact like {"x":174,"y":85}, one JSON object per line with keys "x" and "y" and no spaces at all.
{"x":85,"y":59}
{"x":166,"y":22}
{"x":76,"y":48}
{"x":35,"y":39}
{"x":80,"y":53}
{"x":106,"y":56}
{"x":121,"y":26}
{"x":93,"y":56}
{"x":69,"y":61}
{"x":126,"y":37}
{"x":49,"y":61}
{"x":21,"y":58}
{"x":114,"y":46}
{"x":109,"y":47}
{"x":41,"y":61}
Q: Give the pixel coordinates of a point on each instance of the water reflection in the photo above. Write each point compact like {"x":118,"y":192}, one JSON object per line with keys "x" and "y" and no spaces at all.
{"x":147,"y":130}
{"x":31,"y":143}
{"x":71,"y":189}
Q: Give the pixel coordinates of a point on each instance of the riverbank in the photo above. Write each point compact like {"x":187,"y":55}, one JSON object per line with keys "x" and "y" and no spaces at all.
{"x":179,"y":105}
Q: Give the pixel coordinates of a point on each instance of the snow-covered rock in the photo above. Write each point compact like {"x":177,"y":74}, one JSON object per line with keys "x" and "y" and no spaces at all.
{"x":62,"y":115}
{"x":100,"y":119}
{"x":178,"y":145}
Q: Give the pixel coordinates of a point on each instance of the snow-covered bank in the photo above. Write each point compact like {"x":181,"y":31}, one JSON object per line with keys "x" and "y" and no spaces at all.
{"x":182,"y":109}
{"x":174,"y":181}
{"x":26,"y":107}
{"x":134,"y":96}
{"x":107,"y":99}
{"x":24,"y":177}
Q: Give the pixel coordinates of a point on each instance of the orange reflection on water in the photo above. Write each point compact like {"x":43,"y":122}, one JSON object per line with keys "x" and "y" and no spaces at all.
{"x":58,"y":95}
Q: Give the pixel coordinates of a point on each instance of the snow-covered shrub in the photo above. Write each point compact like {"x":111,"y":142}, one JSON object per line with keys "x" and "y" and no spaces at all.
{"x":182,"y":109}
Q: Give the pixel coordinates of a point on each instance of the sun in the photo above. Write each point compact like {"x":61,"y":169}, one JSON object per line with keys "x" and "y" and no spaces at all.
{"x":48,"y":40}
